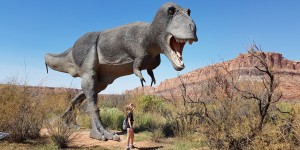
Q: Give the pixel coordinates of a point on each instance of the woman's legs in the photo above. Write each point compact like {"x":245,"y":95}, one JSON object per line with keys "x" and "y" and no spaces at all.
{"x":132,"y":136}
{"x":128,"y":137}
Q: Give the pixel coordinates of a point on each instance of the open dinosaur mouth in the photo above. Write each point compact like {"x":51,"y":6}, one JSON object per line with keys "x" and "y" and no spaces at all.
{"x":177,"y":45}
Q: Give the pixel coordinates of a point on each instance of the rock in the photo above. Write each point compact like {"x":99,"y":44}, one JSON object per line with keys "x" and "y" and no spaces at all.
{"x":288,"y":70}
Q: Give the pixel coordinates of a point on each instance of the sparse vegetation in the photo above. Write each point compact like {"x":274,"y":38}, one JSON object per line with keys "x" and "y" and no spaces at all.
{"x":60,"y":133}
{"x":21,"y":111}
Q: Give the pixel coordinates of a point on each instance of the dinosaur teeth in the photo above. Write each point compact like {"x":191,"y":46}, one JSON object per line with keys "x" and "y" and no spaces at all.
{"x":180,"y":40}
{"x":178,"y":54}
{"x":190,"y":42}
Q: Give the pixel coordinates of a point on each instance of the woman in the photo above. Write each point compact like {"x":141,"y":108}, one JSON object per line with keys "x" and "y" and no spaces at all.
{"x":130,"y":132}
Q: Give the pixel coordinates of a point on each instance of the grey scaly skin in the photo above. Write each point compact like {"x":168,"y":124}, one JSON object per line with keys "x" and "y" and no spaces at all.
{"x":101,"y":57}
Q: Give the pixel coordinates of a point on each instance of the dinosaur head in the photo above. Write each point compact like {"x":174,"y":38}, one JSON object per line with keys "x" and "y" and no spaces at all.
{"x":174,"y":28}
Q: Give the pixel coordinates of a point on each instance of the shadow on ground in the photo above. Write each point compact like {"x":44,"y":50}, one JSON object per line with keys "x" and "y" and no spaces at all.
{"x":149,"y":148}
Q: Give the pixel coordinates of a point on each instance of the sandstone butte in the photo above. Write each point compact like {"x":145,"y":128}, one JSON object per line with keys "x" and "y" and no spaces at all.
{"x":288,"y":70}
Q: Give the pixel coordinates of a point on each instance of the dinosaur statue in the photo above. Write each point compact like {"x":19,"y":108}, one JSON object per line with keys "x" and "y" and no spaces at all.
{"x":101,"y":57}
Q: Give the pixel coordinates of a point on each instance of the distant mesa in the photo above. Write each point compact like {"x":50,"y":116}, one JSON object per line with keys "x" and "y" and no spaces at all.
{"x":288,"y":70}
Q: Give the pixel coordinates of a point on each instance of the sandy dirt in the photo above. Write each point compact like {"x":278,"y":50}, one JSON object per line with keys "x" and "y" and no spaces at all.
{"x":81,"y":139}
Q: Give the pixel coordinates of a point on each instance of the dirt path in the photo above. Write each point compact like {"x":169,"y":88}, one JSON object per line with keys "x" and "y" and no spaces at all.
{"x":83,"y":140}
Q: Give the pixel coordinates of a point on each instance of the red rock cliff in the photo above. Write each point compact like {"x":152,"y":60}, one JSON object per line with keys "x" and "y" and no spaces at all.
{"x":288,"y":70}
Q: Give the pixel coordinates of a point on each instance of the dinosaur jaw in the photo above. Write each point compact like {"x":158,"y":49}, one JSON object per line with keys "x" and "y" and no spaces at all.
{"x":175,"y":49}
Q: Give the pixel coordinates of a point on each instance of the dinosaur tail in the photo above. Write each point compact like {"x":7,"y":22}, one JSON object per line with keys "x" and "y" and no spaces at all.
{"x":61,"y":62}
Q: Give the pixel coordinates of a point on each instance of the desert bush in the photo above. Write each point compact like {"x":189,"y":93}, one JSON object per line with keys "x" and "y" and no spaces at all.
{"x":244,"y":114}
{"x":232,"y":112}
{"x":55,"y":103}
{"x":22,"y":113}
{"x":150,"y":103}
{"x":148,"y":121}
{"x":60,"y":133}
{"x":112,"y":118}
{"x":183,"y":119}
{"x":183,"y":114}
{"x":157,"y":134}
{"x":229,"y":123}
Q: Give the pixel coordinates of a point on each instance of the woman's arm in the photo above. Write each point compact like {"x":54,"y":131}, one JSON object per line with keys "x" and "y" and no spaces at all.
{"x":129,"y":122}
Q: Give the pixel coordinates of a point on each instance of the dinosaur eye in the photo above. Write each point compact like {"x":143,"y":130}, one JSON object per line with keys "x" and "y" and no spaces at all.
{"x":188,"y":11}
{"x":171,"y":11}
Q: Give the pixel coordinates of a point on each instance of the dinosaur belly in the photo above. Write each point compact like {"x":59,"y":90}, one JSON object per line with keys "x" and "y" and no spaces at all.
{"x":108,"y":73}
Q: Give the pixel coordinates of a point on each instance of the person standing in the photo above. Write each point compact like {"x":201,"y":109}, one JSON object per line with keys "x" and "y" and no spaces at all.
{"x":130,"y":132}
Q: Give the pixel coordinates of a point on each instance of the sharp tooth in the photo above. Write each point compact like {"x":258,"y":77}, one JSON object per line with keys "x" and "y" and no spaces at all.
{"x":190,"y":42}
{"x":178,"y":54}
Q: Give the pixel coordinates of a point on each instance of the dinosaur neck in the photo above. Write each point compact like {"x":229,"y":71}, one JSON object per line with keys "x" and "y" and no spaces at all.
{"x":152,"y":43}
{"x":155,"y":35}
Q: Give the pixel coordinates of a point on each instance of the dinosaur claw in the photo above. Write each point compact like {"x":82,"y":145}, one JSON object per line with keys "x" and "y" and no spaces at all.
{"x":143,"y":80}
{"x":153,"y":81}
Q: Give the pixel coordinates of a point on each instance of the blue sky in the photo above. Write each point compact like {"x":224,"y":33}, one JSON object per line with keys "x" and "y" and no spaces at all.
{"x":31,"y":28}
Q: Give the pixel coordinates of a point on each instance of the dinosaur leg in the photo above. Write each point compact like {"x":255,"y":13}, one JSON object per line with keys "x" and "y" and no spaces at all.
{"x":67,"y":116}
{"x":91,"y":88}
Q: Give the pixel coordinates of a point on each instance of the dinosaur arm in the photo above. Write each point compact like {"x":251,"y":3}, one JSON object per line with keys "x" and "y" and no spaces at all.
{"x":154,"y":63}
{"x":150,"y":72}
{"x":137,"y":64}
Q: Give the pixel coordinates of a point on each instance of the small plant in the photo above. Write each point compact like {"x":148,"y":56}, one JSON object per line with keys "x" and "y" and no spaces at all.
{"x":60,"y":133}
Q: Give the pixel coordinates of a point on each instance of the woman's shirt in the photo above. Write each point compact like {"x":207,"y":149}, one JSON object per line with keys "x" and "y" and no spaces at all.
{"x":130,"y":115}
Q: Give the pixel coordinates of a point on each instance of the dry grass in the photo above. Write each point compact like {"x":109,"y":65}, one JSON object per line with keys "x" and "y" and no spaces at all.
{"x":60,"y":133}
{"x":21,"y":112}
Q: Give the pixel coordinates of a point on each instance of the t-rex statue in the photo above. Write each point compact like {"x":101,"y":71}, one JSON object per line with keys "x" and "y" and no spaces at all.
{"x":101,"y":57}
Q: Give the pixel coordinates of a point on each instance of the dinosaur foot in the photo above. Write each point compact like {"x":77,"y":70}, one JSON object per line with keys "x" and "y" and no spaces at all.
{"x":96,"y":134}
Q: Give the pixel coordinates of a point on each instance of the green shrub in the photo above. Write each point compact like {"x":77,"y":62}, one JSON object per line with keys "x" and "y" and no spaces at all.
{"x":149,"y":121}
{"x":112,"y":118}
{"x":149,"y":103}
